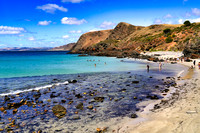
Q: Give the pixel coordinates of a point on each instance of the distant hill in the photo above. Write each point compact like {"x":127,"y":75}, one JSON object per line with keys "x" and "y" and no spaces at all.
{"x":67,"y":47}
{"x":25,"y":49}
{"x":129,"y":40}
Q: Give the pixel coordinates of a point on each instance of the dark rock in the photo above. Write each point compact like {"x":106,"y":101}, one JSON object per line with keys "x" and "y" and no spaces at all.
{"x":59,"y":111}
{"x":63,"y":101}
{"x":73,"y":81}
{"x":37,"y":96}
{"x":52,"y":95}
{"x":135,"y":82}
{"x":156,"y":106}
{"x":99,"y":99}
{"x":6,"y":99}
{"x":80,"y":106}
{"x":15,"y":111}
{"x":165,"y":90}
{"x":152,"y":97}
{"x":78,"y":96}
{"x":134,"y":115}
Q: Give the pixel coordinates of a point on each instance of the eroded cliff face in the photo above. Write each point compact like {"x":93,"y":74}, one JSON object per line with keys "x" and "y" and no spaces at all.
{"x":89,"y":39}
{"x":129,"y":40}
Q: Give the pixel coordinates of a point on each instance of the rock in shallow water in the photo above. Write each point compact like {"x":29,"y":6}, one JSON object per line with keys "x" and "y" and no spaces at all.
{"x":80,"y":106}
{"x":134,"y":116}
{"x":59,"y":111}
{"x":99,"y":99}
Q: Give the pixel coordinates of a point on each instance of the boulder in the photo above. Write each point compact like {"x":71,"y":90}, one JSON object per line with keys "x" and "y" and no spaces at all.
{"x":59,"y":111}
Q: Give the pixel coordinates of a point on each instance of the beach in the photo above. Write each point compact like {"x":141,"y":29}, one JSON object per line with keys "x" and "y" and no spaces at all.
{"x":178,"y":113}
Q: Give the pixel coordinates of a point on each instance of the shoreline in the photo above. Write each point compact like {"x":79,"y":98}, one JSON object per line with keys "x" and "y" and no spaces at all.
{"x":154,"y":120}
{"x":144,"y":114}
{"x":58,"y":91}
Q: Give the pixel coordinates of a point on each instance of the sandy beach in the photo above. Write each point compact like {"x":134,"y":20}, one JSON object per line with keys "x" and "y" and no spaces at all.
{"x":179,"y":113}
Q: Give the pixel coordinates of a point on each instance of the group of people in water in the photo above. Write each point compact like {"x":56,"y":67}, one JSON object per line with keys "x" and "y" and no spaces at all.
{"x":160,"y":67}
{"x":95,"y":65}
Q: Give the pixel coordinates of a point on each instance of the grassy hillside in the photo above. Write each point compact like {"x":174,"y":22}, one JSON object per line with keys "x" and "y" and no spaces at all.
{"x":126,"y":39}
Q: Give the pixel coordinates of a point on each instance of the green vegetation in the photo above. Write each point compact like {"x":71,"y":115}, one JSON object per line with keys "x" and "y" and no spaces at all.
{"x":168,"y":39}
{"x":187,"y":23}
{"x":167,"y":31}
{"x":186,"y":40}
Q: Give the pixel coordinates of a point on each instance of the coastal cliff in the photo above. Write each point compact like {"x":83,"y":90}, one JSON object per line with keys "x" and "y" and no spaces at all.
{"x":129,"y":40}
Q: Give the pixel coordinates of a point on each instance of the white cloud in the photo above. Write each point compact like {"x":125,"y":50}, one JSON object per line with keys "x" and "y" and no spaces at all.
{"x":196,"y":11}
{"x":73,"y":1}
{"x":72,"y":21}
{"x":180,"y":21}
{"x":44,"y":22}
{"x":51,"y":8}
{"x":92,"y":30}
{"x":107,"y":25}
{"x":75,"y":31}
{"x":6,"y":30}
{"x":65,"y":36}
{"x":168,"y":16}
{"x":31,"y":39}
{"x":1,"y":45}
{"x":157,"y":21}
{"x":195,"y":20}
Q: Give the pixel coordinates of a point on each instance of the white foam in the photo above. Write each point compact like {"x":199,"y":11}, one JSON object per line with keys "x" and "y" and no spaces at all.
{"x":181,"y":72}
{"x":37,"y":88}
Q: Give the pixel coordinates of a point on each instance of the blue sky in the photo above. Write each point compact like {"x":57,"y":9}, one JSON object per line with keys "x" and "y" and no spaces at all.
{"x":51,"y":23}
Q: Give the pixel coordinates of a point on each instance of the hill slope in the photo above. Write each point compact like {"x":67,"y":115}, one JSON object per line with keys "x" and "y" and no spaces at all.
{"x":129,"y":40}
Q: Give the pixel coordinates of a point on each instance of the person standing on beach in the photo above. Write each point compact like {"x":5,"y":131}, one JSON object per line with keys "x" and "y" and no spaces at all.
{"x":199,"y":65}
{"x":160,"y":66}
{"x":194,"y":62}
{"x":147,"y":68}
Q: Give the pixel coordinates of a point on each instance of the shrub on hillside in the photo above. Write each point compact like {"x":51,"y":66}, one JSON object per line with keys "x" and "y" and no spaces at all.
{"x":168,"y":39}
{"x":167,"y":31}
{"x":187,"y":23}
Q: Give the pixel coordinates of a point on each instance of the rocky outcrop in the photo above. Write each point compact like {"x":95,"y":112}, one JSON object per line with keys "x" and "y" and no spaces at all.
{"x":192,"y":50}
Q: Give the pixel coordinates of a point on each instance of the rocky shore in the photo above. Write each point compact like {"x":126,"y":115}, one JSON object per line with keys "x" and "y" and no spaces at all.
{"x":87,"y":103}
{"x":178,"y":113}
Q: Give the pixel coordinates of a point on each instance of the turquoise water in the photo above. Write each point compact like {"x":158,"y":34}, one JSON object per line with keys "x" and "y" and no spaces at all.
{"x":21,"y":64}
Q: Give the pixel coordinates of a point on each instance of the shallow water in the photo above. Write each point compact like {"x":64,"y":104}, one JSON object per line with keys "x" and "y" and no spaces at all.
{"x":119,"y":91}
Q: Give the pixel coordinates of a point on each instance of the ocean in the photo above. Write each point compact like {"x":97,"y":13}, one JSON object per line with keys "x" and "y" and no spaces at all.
{"x":21,"y":64}
{"x":27,"y":70}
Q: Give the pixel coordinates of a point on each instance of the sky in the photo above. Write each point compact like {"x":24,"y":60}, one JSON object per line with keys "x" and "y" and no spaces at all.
{"x":52,"y":23}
